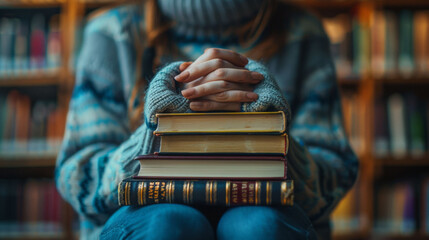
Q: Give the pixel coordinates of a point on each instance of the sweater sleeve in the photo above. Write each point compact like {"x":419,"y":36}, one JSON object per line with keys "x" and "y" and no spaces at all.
{"x":98,"y":146}
{"x":320,"y":159}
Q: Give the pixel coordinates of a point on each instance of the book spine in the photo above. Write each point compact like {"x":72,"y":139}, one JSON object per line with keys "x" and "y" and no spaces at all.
{"x":215,"y":193}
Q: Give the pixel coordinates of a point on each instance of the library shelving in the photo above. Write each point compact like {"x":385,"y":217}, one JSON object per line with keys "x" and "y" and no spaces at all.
{"x":385,"y":110}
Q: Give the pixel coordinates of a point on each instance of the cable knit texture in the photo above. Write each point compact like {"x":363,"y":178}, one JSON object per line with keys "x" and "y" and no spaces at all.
{"x":206,"y":18}
{"x":99,"y":146}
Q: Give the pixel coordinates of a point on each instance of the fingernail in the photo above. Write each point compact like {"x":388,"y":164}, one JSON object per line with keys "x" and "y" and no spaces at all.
{"x":252,"y":96}
{"x":188,"y":92}
{"x":182,"y":76}
{"x":184,"y":66}
{"x":257,"y":76}
{"x":244,"y":59}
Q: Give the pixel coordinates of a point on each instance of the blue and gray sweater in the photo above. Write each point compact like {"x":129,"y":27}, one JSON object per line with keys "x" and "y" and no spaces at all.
{"x":99,"y":147}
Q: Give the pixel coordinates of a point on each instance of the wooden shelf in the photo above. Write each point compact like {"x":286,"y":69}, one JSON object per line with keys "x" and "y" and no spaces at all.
{"x":412,"y":80}
{"x":323,"y":4}
{"x":32,"y":236}
{"x":407,"y":161}
{"x":341,"y":4}
{"x":101,"y":3}
{"x":31,"y":3}
{"x":416,"y":236}
{"x":27,"y":161}
{"x":38,"y":79}
{"x":351,"y":235}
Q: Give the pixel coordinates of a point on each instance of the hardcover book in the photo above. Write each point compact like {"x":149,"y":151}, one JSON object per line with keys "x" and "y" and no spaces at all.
{"x":132,"y":191}
{"x":212,"y":167}
{"x":226,"y":144}
{"x":221,"y":123}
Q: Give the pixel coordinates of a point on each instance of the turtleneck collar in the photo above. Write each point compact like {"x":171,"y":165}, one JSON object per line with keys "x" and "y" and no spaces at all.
{"x":205,"y":19}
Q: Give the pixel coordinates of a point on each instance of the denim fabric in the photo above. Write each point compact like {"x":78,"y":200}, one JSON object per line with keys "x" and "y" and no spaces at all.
{"x":174,"y":221}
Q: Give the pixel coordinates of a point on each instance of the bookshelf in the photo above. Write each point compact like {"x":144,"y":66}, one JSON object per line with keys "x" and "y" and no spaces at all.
{"x":381,"y":171}
{"x":364,"y":89}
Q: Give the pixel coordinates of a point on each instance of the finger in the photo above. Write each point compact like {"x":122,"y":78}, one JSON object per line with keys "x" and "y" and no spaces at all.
{"x":204,"y":106}
{"x":184,"y":65}
{"x":232,"y":96}
{"x":224,"y":54}
{"x":234,"y":75}
{"x":195,"y":71}
{"x":212,"y":88}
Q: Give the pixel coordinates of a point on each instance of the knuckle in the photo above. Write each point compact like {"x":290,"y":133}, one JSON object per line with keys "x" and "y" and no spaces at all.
{"x":221,"y":97}
{"x":224,"y":85}
{"x":242,"y":96}
{"x":218,"y":63}
{"x":213,"y":52}
{"x":220,"y":73}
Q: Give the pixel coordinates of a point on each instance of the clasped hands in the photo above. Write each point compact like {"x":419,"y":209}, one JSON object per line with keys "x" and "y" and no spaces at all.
{"x":218,"y":81}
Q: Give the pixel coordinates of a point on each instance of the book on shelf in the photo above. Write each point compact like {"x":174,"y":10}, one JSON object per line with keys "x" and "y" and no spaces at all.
{"x":387,"y":42}
{"x":415,"y":125}
{"x":212,"y":167}
{"x":225,"y":144}
{"x":27,"y":43}
{"x":221,"y":123}
{"x":397,"y":127}
{"x":133,"y":191}
{"x":406,"y":52}
{"x":425,"y":206}
{"x":421,"y":38}
{"x":29,"y":127}
{"x":395,"y":209}
{"x":346,"y":216}
{"x":29,"y":207}
{"x":381,"y":131}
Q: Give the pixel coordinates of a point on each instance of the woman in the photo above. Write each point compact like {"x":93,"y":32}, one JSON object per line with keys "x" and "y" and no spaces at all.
{"x":105,"y":127}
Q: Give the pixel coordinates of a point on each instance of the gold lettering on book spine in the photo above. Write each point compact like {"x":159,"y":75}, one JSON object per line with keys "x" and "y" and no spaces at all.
{"x":185,"y":192}
{"x":127,"y":193}
{"x":268,"y":193}
{"x":144,"y":193}
{"x":191,"y":193}
{"x":214,"y":192}
{"x":257,"y":193}
{"x":207,"y":192}
{"x":251,"y":193}
{"x":168,"y":192}
{"x":234,"y":193}
{"x":227,"y":192}
{"x":211,"y":192}
{"x":140,"y":194}
{"x":172,"y":191}
{"x":283,"y":194}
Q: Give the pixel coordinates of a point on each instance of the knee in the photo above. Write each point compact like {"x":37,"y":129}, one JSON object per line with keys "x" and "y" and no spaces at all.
{"x":182,"y":221}
{"x":159,"y":221}
{"x":259,"y":223}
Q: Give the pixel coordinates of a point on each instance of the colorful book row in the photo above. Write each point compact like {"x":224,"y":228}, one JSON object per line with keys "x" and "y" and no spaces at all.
{"x":29,"y":44}
{"x":384,"y":43}
{"x":28,"y":127}
{"x":29,"y":206}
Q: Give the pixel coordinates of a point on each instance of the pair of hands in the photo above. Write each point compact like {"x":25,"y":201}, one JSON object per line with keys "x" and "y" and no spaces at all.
{"x":218,"y":81}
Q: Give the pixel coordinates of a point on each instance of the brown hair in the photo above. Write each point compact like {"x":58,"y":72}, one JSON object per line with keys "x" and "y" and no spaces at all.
{"x":263,"y":35}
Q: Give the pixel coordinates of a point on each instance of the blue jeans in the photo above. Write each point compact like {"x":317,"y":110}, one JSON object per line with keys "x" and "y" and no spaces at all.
{"x":175,"y":221}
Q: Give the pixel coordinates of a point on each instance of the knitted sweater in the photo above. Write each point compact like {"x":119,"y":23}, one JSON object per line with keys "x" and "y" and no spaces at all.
{"x":99,"y":146}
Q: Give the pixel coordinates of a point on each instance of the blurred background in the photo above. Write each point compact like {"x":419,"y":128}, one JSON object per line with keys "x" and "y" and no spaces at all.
{"x":381,"y":51}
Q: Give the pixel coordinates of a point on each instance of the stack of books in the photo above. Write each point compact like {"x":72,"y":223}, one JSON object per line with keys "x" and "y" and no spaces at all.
{"x":219,"y":159}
